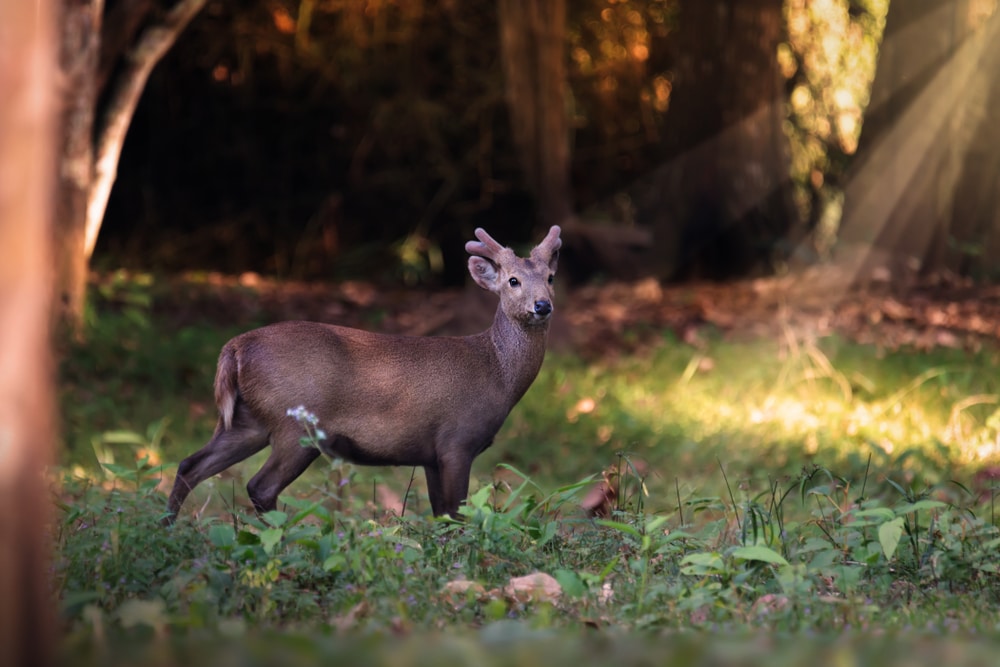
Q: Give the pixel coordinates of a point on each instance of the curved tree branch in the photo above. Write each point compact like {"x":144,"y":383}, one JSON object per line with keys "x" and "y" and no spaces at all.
{"x":153,"y":44}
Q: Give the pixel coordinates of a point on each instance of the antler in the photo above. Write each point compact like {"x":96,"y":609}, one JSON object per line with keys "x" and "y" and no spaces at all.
{"x":550,"y":244}
{"x":487,"y":247}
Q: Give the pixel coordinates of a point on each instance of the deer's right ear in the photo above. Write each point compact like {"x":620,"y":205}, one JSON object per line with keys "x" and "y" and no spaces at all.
{"x":484,"y":272}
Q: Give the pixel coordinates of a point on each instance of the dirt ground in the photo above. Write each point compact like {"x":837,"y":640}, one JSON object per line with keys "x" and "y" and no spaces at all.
{"x":623,"y":317}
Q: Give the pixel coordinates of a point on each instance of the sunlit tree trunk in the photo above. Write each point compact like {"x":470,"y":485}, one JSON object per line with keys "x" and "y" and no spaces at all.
{"x":917,"y":198}
{"x":723,"y":203}
{"x":533,"y":50}
{"x":27,"y":158}
{"x":105,"y":72}
{"x":80,"y":31}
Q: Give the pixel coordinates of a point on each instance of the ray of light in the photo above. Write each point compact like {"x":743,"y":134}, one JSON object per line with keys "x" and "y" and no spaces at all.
{"x":885,"y":182}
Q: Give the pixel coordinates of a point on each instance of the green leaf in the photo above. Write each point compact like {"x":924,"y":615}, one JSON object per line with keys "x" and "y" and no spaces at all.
{"x":702,"y":563}
{"x":570,"y":582}
{"x":222,"y":536}
{"x":879,"y":514}
{"x":117,"y":470}
{"x":623,"y":527}
{"x":760,"y":553}
{"x":269,"y":538}
{"x":122,"y":438}
{"x":654,"y":524}
{"x":275,"y":518}
{"x":335,"y":562}
{"x":889,"y":534}
{"x":920,"y":505}
{"x":548,"y":532}
{"x":480,"y":499}
{"x":246,"y":538}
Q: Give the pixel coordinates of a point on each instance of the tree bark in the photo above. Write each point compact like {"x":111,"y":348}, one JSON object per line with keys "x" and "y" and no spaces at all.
{"x":93,"y":135}
{"x":80,"y":24}
{"x":152,"y":45}
{"x":723,"y":203}
{"x":27,"y":171}
{"x":532,"y":45}
{"x":916,"y":188}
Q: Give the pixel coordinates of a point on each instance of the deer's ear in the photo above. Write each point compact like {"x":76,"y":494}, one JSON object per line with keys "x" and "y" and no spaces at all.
{"x":484,"y":272}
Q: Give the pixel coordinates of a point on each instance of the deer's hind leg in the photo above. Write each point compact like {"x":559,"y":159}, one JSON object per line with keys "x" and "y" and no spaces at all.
{"x":245,"y":438}
{"x":287,"y":461}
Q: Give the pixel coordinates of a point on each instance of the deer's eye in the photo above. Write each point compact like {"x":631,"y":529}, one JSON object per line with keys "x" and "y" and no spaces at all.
{"x":552,"y":278}
{"x":514,"y":282}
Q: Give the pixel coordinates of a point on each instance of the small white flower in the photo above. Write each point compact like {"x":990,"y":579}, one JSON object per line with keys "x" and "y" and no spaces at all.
{"x":302,"y":415}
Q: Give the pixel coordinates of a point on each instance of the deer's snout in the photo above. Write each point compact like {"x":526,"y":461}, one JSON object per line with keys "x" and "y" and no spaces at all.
{"x":543,"y":308}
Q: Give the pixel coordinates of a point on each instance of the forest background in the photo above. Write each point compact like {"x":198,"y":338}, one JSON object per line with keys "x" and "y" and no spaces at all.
{"x":810,"y":185}
{"x":683,"y":140}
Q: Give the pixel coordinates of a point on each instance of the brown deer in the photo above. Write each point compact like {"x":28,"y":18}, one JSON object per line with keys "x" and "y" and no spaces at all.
{"x":434,"y":401}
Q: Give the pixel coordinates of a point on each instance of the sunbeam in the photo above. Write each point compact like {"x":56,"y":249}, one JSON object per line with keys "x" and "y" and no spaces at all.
{"x":917,"y":161}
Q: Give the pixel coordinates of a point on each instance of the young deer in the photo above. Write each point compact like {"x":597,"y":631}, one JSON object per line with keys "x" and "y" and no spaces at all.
{"x":435,"y":401}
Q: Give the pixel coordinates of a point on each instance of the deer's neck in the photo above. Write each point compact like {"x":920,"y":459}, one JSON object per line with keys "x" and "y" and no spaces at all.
{"x":519,"y":352}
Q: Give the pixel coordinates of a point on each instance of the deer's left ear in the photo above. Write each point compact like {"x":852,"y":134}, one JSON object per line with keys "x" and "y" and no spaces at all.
{"x":484,"y":272}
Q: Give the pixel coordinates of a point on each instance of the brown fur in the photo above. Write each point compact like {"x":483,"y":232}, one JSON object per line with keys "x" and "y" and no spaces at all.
{"x":435,"y":402}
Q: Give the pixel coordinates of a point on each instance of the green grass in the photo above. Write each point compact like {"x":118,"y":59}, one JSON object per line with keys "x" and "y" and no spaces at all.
{"x":820,"y":491}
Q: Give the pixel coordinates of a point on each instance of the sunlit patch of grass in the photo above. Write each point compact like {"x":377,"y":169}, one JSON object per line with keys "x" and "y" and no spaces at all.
{"x":763,"y":407}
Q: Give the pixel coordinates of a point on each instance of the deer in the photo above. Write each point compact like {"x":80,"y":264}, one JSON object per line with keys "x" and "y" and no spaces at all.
{"x":435,"y":402}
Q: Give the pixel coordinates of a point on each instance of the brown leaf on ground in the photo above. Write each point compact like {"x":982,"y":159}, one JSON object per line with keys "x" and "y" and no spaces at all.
{"x":619,"y":317}
{"x":459,"y":592}
{"x":535,"y":587}
{"x":601,"y":499}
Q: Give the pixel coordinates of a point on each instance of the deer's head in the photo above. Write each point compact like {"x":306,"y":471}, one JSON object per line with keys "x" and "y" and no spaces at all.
{"x":524,"y":285}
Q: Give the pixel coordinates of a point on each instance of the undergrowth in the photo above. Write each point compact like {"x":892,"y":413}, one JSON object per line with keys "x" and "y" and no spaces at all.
{"x":822,"y":554}
{"x":810,"y":488}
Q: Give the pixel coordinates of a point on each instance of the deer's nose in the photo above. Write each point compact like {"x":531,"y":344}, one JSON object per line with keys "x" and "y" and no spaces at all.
{"x":543,"y":307}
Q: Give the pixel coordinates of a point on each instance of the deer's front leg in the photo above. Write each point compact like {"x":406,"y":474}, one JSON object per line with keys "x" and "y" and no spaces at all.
{"x":448,"y":483}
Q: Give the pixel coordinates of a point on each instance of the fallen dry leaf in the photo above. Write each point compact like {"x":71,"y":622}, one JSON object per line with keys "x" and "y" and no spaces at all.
{"x":536,"y":587}
{"x":457,"y":593}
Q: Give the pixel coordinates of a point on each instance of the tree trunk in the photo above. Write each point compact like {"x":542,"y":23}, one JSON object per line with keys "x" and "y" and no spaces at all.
{"x":27,"y":170}
{"x":78,"y":57}
{"x":976,"y":207}
{"x":116,"y":116}
{"x":915,"y":199}
{"x":532,"y":45}
{"x":93,"y":137}
{"x":723,"y":204}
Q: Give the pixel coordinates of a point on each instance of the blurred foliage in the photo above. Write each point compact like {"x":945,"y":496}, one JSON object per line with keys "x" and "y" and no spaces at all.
{"x":327,"y":138}
{"x":830,"y":62}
